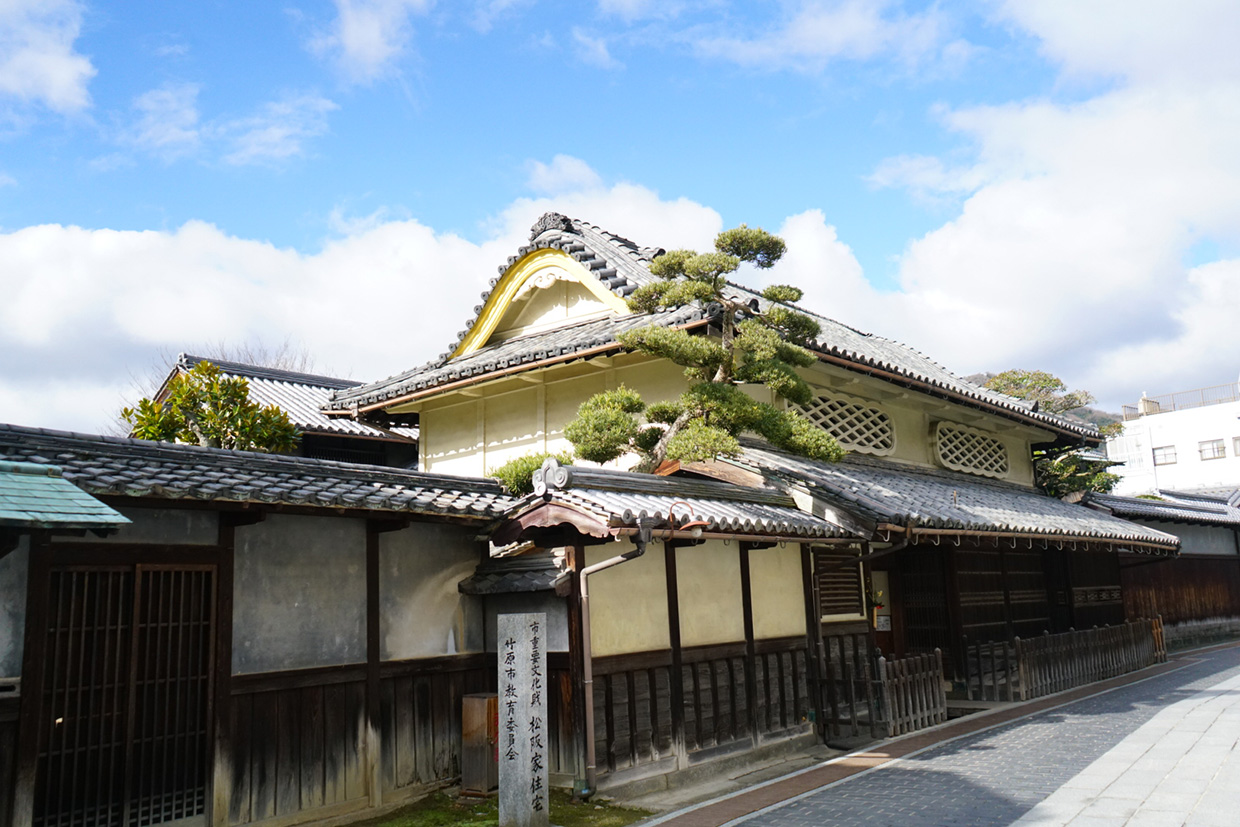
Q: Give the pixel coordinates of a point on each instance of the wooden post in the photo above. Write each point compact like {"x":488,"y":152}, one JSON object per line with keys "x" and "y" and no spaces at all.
{"x":374,"y":784}
{"x":750,"y":666}
{"x":676,"y":677}
{"x":813,"y":648}
{"x":576,"y":666}
{"x":38,"y":576}
{"x":222,"y":770}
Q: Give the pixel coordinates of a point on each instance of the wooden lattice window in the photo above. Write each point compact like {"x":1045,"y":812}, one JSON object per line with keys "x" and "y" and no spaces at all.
{"x":839,"y":583}
{"x":971,"y":451}
{"x":854,"y":424}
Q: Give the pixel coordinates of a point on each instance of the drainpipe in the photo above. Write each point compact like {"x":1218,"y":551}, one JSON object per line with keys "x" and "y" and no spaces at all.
{"x":645,"y":531}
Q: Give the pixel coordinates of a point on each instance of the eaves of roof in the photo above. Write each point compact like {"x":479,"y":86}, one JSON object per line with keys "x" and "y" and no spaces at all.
{"x":1188,"y":512}
{"x":138,"y":468}
{"x":931,"y":502}
{"x":36,"y":496}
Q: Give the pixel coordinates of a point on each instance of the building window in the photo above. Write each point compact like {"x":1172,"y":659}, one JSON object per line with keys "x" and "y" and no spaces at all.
{"x":1212,"y":449}
{"x":855,"y":425}
{"x":1164,"y":455}
{"x":1235,"y":446}
{"x":966,"y":449}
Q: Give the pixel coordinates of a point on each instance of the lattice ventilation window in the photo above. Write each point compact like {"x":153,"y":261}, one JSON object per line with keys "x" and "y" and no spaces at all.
{"x":855,"y":425}
{"x":974,"y":452}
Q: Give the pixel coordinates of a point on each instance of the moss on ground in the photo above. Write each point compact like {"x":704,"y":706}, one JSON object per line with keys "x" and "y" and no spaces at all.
{"x":443,"y":810}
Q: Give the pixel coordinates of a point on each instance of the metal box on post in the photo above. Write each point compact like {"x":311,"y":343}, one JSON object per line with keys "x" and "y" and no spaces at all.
{"x":480,"y":743}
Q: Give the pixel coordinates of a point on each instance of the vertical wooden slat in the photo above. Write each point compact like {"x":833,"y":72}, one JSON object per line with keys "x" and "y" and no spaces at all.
{"x":374,"y":785}
{"x":676,"y":673}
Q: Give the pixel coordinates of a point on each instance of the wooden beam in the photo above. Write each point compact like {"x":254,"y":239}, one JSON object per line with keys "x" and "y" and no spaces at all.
{"x":676,"y":673}
{"x":38,"y":581}
{"x":374,"y":786}
{"x":751,"y":681}
{"x":222,"y":769}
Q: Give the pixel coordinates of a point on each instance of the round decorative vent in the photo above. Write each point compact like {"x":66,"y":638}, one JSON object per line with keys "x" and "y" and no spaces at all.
{"x":854,"y":424}
{"x":973,"y":452}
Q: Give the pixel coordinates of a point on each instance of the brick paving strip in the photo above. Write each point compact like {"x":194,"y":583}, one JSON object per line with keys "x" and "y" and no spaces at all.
{"x":748,"y":802}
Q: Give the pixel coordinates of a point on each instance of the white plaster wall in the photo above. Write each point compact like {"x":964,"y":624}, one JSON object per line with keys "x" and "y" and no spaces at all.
{"x":13,"y":568}
{"x":299,"y":593}
{"x":1198,"y":539}
{"x":160,"y":525}
{"x":708,"y":579}
{"x":628,"y":602}
{"x":422,"y":614}
{"x":778,"y":593}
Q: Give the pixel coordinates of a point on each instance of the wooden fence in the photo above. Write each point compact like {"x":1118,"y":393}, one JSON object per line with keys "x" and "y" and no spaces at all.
{"x":848,"y":683}
{"x":1199,"y":632}
{"x":1030,"y":668}
{"x":912,"y":692}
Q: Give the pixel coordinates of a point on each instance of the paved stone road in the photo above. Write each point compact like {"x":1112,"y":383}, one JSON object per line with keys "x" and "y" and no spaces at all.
{"x":1082,"y":750}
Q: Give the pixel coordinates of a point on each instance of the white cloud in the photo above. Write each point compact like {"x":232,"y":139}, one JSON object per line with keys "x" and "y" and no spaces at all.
{"x":168,"y":120}
{"x":564,"y":174}
{"x":1146,"y":41}
{"x":819,"y":32}
{"x":368,"y":38}
{"x":278,"y":131}
{"x":486,"y":12}
{"x":593,"y":50}
{"x":88,"y":309}
{"x":7,"y":180}
{"x":630,"y":10}
{"x":38,"y":63}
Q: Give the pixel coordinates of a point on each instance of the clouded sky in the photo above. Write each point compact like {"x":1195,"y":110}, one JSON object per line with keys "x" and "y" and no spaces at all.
{"x":1050,"y":185}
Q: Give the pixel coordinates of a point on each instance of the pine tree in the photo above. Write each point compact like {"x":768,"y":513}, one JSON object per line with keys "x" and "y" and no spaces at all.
{"x":758,"y":346}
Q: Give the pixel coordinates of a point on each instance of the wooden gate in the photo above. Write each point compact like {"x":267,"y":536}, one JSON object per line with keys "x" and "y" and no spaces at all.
{"x":126,"y":700}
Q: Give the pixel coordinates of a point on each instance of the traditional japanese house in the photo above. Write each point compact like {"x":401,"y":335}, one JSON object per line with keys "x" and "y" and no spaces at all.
{"x":937,"y":515}
{"x":1203,"y":583}
{"x":265,"y":639}
{"x":302,"y":396}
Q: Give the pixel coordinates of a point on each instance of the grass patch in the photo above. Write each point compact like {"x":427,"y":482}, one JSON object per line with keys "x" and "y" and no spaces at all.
{"x":443,"y":810}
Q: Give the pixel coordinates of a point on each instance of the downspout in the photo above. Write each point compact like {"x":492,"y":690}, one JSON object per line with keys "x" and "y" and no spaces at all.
{"x":645,"y":531}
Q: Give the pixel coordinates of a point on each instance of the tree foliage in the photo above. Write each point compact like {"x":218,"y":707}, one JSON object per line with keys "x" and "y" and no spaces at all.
{"x":1064,"y":473}
{"x":205,"y":407}
{"x":1046,"y":390}
{"x":517,"y":474}
{"x":753,"y":347}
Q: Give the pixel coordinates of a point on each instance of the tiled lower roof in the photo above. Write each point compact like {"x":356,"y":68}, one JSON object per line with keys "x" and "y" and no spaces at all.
{"x":893,"y":493}
{"x":622,"y":498}
{"x":513,"y":574}
{"x":38,"y":496}
{"x":102,"y":465}
{"x":300,"y":395}
{"x":1171,"y":509}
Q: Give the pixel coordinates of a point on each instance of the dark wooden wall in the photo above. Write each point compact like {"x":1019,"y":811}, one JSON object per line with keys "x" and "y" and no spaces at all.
{"x":8,"y":756}
{"x":1186,"y":588}
{"x":1097,"y":597}
{"x":298,"y":742}
{"x":299,"y":738}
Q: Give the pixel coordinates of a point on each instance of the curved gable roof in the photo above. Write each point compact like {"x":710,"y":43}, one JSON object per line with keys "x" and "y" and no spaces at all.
{"x":622,"y":266}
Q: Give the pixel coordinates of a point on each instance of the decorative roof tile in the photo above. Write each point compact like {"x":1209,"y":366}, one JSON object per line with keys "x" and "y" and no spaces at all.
{"x":103,"y":465}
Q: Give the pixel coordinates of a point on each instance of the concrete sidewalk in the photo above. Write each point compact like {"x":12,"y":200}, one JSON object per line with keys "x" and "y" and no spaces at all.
{"x":931,"y":777}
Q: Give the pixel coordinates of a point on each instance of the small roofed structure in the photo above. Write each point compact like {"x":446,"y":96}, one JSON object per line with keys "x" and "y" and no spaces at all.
{"x":302,"y":396}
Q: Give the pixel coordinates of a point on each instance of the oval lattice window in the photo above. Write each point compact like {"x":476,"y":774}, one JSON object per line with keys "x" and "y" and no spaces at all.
{"x":854,"y":424}
{"x":974,"y":452}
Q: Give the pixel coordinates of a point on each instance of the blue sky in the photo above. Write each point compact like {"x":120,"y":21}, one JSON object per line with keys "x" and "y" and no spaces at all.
{"x":1046,"y":185}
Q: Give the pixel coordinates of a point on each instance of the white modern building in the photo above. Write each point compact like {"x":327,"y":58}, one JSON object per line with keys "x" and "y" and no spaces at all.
{"x":1187,"y":441}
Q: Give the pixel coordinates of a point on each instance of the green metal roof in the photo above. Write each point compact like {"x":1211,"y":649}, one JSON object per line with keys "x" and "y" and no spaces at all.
{"x":38,"y":496}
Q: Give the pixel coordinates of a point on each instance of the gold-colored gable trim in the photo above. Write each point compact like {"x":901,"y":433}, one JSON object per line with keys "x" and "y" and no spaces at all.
{"x":509,"y":287}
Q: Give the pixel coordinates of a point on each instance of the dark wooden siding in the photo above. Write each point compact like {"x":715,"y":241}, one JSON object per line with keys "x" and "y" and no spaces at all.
{"x":8,"y":756}
{"x":839,"y":587}
{"x":1097,"y":599}
{"x":298,"y":742}
{"x":1187,"y":588}
{"x":923,"y":599}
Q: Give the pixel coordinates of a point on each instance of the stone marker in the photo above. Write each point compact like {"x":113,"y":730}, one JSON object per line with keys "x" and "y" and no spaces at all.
{"x":523,"y":792}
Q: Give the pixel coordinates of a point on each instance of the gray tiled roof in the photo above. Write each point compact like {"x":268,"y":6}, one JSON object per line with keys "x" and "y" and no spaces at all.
{"x":523,"y":350}
{"x":103,"y":465}
{"x":1172,"y":508}
{"x":300,"y":395}
{"x":898,"y":494}
{"x":516,"y":573}
{"x":38,"y":496}
{"x":622,"y":266}
{"x":621,"y":498}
